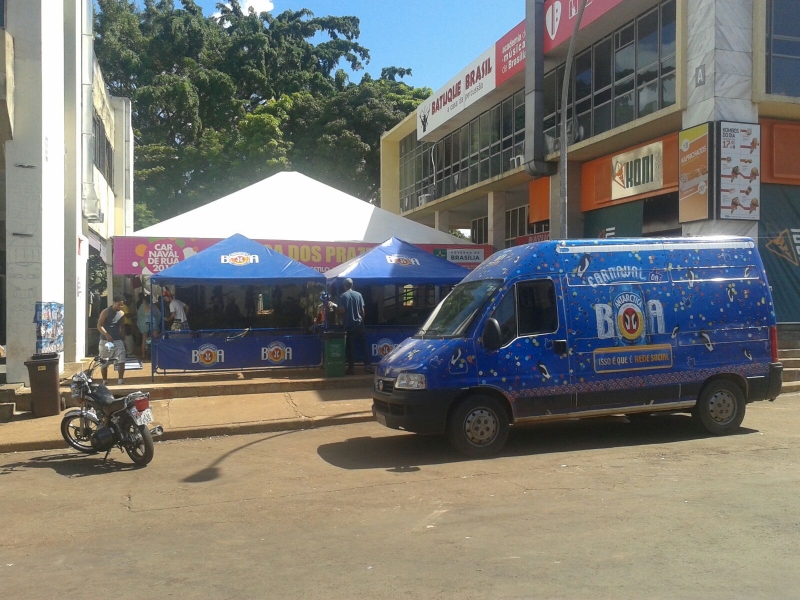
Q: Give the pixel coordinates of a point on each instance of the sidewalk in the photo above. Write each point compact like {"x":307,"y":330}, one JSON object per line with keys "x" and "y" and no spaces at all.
{"x":184,"y":418}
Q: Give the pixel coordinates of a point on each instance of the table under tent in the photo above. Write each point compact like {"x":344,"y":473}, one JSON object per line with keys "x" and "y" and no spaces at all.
{"x":275,"y":329}
{"x":401,"y":285}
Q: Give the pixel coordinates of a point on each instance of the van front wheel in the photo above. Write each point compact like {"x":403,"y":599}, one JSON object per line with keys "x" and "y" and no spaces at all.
{"x":478,"y":427}
{"x":720,"y":408}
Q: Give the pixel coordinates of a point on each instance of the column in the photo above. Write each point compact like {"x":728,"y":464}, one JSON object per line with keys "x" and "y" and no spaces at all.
{"x":442,"y":220}
{"x":497,"y":220}
{"x":574,"y":213}
{"x":76,"y":244}
{"x":35,"y":175}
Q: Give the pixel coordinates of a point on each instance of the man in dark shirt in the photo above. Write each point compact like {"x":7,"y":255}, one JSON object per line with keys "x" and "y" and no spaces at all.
{"x":112,"y":347}
{"x":351,"y":308}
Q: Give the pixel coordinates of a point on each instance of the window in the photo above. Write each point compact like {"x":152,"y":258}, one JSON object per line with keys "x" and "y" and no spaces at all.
{"x":506,"y":315}
{"x":486,"y":147}
{"x":516,"y":224}
{"x":623,"y":77}
{"x":537,"y":308}
{"x":783,"y":48}
{"x":103,"y":152}
{"x":480,"y":231}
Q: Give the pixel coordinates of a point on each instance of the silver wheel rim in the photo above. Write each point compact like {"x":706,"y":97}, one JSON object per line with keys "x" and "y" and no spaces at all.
{"x":722,"y":407}
{"x":76,"y":429}
{"x":481,"y":426}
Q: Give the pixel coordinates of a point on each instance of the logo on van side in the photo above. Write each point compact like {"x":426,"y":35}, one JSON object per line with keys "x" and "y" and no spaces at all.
{"x":629,"y":317}
{"x":612,"y":274}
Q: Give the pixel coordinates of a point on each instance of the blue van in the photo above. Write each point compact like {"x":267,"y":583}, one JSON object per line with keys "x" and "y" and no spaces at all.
{"x":584,"y":328}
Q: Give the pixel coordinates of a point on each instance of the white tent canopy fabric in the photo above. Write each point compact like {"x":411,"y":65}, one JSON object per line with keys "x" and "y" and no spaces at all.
{"x":291,"y":206}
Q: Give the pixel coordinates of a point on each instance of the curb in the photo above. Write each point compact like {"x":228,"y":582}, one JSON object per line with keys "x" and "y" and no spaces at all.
{"x":208,"y":431}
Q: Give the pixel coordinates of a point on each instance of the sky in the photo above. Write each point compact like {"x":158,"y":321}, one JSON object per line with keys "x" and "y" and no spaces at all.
{"x":434,"y":38}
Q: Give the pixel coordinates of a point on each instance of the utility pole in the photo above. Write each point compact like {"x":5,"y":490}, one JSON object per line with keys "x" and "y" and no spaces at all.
{"x":562,"y":163}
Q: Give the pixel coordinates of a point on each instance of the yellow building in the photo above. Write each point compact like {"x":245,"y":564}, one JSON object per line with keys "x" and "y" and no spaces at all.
{"x":683,"y":119}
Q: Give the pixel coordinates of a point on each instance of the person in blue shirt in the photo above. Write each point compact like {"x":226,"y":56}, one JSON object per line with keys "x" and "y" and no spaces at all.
{"x":351,"y":309}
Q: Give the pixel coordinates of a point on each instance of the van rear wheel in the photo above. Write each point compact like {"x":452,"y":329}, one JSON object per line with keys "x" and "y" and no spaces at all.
{"x":478,"y":427}
{"x":720,"y":408}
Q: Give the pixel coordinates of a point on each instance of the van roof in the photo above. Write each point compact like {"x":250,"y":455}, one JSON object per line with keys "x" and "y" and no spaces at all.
{"x":549,"y":257}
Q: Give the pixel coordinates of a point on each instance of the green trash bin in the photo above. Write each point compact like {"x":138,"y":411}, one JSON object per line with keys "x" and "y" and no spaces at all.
{"x":334,"y":353}
{"x":45,"y":392}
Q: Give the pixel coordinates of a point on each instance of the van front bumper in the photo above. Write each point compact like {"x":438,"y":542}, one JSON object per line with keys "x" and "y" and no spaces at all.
{"x":418,"y":411}
{"x":767,"y":387}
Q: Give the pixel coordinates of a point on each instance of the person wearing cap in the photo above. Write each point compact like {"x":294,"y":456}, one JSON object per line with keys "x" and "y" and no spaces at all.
{"x":351,"y":308}
{"x":112,"y":347}
{"x":177,"y":312}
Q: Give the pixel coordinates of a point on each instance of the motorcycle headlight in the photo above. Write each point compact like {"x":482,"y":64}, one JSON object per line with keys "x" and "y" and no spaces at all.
{"x":410,"y":381}
{"x":76,"y":390}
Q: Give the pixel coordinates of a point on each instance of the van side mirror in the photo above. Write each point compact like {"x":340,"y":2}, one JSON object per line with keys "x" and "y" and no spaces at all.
{"x":492,"y":337}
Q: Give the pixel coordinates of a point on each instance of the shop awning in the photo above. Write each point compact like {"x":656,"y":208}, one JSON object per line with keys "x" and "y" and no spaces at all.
{"x":398,"y":262}
{"x":238,"y":261}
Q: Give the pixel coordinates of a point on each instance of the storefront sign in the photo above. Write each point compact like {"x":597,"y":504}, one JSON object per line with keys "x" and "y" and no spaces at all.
{"x":693,"y":166}
{"x":462,"y":256}
{"x":510,"y":54}
{"x":491,"y":69}
{"x":147,"y":256}
{"x":637,"y":172}
{"x":533,"y":238}
{"x":740,"y":171}
{"x":560,"y":15}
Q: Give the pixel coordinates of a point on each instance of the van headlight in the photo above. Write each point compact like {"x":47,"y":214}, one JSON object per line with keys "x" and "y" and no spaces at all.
{"x":410,"y":381}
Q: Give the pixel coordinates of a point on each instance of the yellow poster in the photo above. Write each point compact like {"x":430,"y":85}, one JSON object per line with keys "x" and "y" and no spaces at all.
{"x":693,"y":150}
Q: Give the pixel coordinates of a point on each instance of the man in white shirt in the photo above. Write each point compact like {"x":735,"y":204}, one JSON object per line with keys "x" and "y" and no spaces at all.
{"x":177,"y":312}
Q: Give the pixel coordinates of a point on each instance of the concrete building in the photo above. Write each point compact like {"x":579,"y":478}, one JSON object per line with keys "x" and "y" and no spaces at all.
{"x":66,"y":171}
{"x":683,"y":119}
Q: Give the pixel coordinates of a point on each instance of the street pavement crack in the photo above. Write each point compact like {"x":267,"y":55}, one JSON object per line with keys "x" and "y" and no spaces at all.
{"x":294,"y":406}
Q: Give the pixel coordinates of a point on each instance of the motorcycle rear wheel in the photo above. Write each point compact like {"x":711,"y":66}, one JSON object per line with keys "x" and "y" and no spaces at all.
{"x":77,"y":433}
{"x":141,"y":454}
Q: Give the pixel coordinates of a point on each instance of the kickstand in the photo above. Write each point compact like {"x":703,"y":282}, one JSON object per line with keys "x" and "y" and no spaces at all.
{"x":106,"y":456}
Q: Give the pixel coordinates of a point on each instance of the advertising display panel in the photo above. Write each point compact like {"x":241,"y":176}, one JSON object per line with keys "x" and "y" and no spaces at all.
{"x":694,"y":152}
{"x":739,"y":171}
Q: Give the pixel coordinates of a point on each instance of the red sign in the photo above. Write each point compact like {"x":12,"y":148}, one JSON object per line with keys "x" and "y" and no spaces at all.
{"x":146,"y":256}
{"x":533,"y":238}
{"x":510,"y":54}
{"x":560,"y":15}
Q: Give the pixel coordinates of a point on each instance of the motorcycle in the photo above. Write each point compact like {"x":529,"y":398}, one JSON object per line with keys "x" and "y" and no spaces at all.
{"x":104,"y":422}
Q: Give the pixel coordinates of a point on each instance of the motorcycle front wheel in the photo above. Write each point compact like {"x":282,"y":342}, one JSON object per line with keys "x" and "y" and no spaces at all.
{"x":77,"y":430}
{"x":139,"y":445}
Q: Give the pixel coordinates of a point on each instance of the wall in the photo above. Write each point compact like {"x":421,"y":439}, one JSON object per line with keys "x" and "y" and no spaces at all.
{"x":35,"y":177}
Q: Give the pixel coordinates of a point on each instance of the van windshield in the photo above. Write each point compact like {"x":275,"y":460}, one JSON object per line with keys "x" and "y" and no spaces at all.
{"x":455,"y":313}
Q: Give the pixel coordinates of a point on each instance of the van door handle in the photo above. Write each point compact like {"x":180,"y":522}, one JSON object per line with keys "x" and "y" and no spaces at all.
{"x":560,"y":346}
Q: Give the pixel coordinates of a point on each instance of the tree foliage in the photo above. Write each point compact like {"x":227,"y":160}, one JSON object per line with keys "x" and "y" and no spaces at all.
{"x":224,"y":101}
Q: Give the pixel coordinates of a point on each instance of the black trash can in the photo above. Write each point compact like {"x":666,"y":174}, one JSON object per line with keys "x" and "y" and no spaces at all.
{"x":45,"y":392}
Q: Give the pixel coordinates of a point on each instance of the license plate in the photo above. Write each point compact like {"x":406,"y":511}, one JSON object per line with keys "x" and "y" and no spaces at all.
{"x":142,"y":418}
{"x":380,"y":418}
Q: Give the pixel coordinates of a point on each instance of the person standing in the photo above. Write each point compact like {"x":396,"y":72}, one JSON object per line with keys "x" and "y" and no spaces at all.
{"x":143,"y":322}
{"x":177,"y":312}
{"x":351,"y":308}
{"x":112,"y":346}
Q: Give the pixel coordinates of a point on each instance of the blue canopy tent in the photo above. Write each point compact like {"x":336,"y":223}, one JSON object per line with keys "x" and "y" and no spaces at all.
{"x":236,"y":261}
{"x":413,"y":279}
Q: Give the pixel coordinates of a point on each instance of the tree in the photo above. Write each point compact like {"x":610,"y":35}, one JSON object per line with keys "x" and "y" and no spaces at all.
{"x":222,"y":102}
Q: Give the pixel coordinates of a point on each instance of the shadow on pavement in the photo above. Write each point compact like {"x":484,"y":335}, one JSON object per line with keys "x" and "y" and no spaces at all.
{"x":72,"y":465}
{"x":406,"y":452}
{"x":212,"y":471}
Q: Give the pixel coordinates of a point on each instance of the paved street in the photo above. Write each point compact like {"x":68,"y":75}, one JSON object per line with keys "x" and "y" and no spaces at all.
{"x":596,"y":509}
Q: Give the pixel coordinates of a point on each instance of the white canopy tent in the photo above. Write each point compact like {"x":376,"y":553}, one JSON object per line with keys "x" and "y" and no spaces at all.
{"x":291,"y":206}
